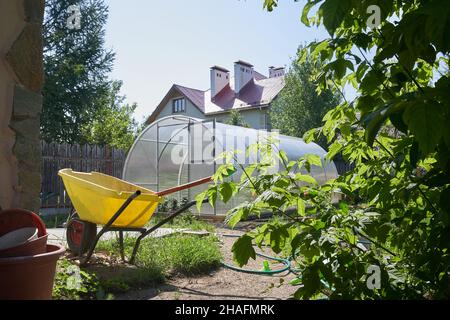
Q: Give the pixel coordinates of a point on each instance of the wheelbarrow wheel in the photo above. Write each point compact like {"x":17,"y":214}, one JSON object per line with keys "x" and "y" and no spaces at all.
{"x":80,"y":235}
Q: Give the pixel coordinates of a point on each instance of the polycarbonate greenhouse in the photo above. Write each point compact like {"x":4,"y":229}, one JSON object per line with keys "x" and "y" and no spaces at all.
{"x":175,"y":150}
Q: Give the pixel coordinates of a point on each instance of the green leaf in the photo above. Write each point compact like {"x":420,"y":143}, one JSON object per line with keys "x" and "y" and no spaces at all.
{"x":376,"y":119}
{"x":226,"y":190}
{"x":362,"y":40}
{"x":344,"y":207}
{"x":199,"y":198}
{"x":398,"y":122}
{"x":305,"y":178}
{"x":311,"y":284}
{"x":248,"y":171}
{"x":212,"y":196}
{"x":339,"y":66}
{"x":224,"y":171}
{"x":229,"y":171}
{"x":243,"y":250}
{"x":269,"y":5}
{"x":235,"y":216}
{"x":334,"y":12}
{"x":313,"y":159}
{"x":334,"y":149}
{"x":296,"y":281}
{"x":371,"y":81}
{"x":306,"y":10}
{"x":278,"y":238}
{"x":309,"y":135}
{"x":300,"y":207}
{"x":318,"y":224}
{"x":426,"y":122}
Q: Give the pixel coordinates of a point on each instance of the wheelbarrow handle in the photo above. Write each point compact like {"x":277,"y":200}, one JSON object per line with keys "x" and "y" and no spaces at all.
{"x":185,"y":186}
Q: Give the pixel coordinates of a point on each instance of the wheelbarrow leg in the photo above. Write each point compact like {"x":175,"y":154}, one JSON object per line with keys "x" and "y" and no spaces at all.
{"x":136,"y":247}
{"x":122,"y":252}
{"x":108,"y":225}
{"x":84,"y":261}
{"x":159,"y":224}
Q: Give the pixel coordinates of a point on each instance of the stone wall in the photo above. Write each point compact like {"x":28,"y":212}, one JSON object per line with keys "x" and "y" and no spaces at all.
{"x":21,"y":81}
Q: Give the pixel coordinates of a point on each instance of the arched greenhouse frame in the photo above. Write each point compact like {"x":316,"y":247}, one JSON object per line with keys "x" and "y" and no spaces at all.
{"x":175,"y":150}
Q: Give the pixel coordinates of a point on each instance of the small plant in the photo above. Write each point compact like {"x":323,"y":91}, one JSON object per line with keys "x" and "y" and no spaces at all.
{"x":164,"y":207}
{"x":115,"y":285}
{"x":173,"y":204}
{"x":184,"y":201}
{"x":73,"y":283}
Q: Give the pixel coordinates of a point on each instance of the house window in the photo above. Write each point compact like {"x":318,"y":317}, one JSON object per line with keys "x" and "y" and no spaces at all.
{"x":179,"y":105}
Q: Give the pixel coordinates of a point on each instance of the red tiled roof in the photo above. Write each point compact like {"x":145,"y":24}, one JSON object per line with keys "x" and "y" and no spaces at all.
{"x":254,"y":94}
{"x":260,"y":91}
{"x":197,"y":97}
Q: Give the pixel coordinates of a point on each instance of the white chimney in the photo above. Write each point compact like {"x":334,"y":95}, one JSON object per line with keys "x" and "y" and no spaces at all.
{"x":243,"y":73}
{"x":220,"y":78}
{"x":276,"y":72}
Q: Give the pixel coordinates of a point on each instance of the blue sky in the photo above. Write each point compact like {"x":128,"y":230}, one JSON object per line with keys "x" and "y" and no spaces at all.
{"x":159,"y":42}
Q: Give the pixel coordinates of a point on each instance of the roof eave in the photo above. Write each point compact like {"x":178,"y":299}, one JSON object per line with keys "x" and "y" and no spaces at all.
{"x":251,"y":107}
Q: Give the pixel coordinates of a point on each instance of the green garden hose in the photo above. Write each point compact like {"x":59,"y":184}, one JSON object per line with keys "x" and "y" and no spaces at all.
{"x":286,"y":262}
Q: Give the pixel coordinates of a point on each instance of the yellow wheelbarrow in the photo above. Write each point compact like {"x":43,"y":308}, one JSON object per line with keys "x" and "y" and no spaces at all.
{"x":99,"y":199}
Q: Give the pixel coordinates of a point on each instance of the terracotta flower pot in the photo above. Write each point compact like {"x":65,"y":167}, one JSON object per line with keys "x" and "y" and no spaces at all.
{"x":30,"y":248}
{"x":29,"y":277}
{"x":13,"y":219}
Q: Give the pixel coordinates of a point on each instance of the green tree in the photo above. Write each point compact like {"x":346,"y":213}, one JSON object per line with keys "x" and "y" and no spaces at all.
{"x":76,"y":68}
{"x":235,"y":118}
{"x":396,"y":198}
{"x":299,"y":108}
{"x":113,"y":124}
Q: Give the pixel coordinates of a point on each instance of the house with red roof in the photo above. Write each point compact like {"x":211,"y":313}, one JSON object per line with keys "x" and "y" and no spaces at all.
{"x":248,"y":91}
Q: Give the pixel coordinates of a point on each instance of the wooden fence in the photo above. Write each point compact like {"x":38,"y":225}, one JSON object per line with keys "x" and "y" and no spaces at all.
{"x":85,"y":158}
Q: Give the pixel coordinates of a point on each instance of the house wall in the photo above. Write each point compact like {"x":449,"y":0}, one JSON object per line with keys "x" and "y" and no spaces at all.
{"x":255,"y":118}
{"x":21,"y":80}
{"x":191,"y":110}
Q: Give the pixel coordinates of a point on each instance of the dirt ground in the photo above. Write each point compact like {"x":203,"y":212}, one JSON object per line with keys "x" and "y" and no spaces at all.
{"x":223,"y":283}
